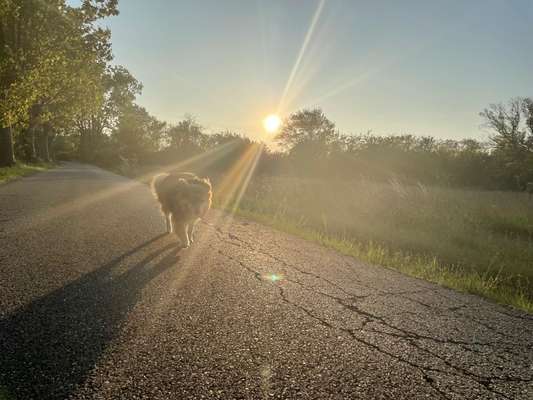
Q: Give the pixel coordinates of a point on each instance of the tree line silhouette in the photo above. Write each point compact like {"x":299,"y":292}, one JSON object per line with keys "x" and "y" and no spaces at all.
{"x":61,"y":97}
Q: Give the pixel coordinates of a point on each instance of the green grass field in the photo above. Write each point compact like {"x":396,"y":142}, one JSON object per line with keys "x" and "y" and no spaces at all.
{"x":476,"y":241}
{"x":22,"y":169}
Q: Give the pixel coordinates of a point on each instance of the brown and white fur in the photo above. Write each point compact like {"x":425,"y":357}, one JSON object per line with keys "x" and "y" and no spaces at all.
{"x":184,"y":199}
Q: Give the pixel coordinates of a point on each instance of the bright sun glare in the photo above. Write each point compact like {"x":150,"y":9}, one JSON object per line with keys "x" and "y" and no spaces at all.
{"x":272,"y":123}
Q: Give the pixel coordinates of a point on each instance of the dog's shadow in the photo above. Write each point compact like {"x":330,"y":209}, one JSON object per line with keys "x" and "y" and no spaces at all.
{"x":48,"y":347}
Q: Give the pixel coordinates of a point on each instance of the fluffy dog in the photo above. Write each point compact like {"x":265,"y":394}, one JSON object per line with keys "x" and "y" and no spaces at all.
{"x":184,"y":199}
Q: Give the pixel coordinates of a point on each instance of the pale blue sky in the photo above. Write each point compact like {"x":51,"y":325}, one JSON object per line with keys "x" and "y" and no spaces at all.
{"x":421,"y":67}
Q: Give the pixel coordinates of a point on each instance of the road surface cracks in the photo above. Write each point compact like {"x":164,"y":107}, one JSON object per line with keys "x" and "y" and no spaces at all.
{"x":430,"y":370}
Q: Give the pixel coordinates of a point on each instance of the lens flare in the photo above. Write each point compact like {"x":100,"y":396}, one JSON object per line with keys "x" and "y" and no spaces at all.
{"x":274,"y":277}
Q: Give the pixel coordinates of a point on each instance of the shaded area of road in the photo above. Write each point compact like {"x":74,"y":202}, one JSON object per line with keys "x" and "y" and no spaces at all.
{"x":95,"y":303}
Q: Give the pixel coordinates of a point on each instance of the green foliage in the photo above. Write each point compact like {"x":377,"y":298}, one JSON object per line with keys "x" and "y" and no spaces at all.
{"x":95,"y":129}
{"x":138,"y":133}
{"x":52,"y":59}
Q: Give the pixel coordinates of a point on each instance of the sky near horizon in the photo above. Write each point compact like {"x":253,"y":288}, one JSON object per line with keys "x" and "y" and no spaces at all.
{"x":419,"y":67}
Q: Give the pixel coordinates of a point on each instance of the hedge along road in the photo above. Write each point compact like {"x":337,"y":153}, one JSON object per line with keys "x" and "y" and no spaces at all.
{"x":95,"y":302}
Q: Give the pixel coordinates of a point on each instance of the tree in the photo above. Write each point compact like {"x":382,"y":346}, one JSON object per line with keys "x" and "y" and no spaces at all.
{"x":307,"y":126}
{"x":138,"y":133}
{"x":512,"y":140}
{"x":310,"y":138}
{"x":527,"y":111}
{"x":76,"y":86}
{"x":13,"y":103}
{"x":51,"y":60}
{"x":187,"y":137}
{"x":120,"y":91}
{"x":505,"y":121}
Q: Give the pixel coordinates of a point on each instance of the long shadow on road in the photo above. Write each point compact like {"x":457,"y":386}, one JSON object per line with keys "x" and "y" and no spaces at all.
{"x":48,"y":347}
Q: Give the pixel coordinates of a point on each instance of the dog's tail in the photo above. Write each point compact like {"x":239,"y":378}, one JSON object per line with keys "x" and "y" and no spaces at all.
{"x":156,"y":185}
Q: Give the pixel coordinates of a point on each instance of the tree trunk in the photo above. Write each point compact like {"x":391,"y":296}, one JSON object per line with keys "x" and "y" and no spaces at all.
{"x":29,"y":149}
{"x":83,"y":145}
{"x":42,"y":144}
{"x":7,"y":155}
{"x":32,"y":128}
{"x":86,"y":146}
{"x":51,"y":148}
{"x":33,"y":147}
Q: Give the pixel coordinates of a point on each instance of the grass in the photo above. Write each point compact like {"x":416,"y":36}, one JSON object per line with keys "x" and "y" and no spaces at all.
{"x":22,"y":169}
{"x":474,"y":241}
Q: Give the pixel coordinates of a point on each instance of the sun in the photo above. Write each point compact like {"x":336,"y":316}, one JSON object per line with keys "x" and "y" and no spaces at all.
{"x":272,"y":123}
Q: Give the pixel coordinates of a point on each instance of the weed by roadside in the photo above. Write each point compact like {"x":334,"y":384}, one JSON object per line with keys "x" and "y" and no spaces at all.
{"x":22,"y":169}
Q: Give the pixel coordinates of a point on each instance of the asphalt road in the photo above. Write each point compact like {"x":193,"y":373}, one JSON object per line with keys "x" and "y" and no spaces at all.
{"x":95,"y":303}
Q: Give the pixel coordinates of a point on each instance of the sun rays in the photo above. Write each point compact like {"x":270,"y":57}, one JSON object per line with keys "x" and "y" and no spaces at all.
{"x":232,"y":186}
{"x":312,"y":53}
{"x":228,"y":193}
{"x":295,"y":68}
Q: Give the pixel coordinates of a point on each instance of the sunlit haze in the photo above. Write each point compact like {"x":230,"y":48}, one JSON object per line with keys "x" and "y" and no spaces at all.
{"x":418,"y":67}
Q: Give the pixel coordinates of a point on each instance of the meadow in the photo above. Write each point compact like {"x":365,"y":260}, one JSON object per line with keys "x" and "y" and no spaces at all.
{"x":475,"y":241}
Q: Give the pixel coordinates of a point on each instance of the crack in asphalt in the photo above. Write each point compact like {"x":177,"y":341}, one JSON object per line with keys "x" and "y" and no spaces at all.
{"x":353,"y":336}
{"x":318,"y":277}
{"x":407,"y":336}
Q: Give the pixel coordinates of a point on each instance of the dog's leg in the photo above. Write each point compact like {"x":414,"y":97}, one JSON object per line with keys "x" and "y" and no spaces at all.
{"x":180,"y":229}
{"x":173,"y":223}
{"x":168,"y":223}
{"x":182,"y":234}
{"x":190,"y":231}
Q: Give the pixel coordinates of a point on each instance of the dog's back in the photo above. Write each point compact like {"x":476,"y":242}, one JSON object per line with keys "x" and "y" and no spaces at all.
{"x":182,"y":193}
{"x":184,"y":199}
